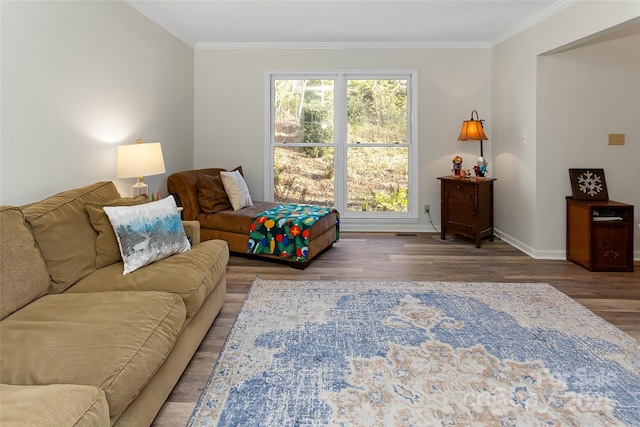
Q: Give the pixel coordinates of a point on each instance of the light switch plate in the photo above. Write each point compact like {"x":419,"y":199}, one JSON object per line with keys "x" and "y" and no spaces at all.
{"x":616,"y":139}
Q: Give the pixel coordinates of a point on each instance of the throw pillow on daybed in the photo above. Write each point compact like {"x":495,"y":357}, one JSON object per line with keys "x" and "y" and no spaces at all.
{"x":107,"y":249}
{"x":211,"y":195}
{"x":147,"y":233}
{"x":237,"y":190}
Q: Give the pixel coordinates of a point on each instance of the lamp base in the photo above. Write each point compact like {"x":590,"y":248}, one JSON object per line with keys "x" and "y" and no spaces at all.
{"x":139,"y":188}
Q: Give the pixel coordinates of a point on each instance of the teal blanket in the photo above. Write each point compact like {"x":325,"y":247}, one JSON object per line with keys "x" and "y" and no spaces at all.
{"x":284,"y":230}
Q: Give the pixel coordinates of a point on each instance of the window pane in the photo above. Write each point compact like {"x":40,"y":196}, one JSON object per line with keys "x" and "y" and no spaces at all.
{"x":303,"y":111}
{"x":303,"y":175}
{"x":378,"y":179}
{"x":377,"y":111}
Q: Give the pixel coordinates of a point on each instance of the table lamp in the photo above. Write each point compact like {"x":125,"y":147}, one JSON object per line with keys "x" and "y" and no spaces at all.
{"x":139,"y":160}
{"x":473,"y":130}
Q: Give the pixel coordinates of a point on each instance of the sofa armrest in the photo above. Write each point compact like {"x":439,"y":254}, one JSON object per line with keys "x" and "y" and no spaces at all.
{"x":192,"y":229}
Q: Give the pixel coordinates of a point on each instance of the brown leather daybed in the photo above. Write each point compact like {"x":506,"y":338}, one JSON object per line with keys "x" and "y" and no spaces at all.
{"x":203,"y":199}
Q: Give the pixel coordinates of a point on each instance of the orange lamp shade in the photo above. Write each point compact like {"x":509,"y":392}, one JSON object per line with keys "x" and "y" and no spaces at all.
{"x":472,"y":131}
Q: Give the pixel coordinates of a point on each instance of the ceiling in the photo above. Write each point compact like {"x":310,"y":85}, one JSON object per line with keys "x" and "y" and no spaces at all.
{"x":332,"y":23}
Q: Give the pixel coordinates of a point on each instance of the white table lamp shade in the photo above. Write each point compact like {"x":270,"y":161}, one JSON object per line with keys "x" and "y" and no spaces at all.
{"x":140,"y":160}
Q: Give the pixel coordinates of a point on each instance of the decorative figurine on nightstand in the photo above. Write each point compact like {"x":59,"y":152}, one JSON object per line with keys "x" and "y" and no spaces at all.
{"x":457,"y":165}
{"x":482,"y":166}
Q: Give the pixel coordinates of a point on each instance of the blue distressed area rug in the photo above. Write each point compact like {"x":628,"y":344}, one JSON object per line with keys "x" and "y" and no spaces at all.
{"x":313,"y":353}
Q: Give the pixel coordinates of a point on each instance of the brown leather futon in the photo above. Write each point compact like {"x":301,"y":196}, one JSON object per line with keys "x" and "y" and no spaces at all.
{"x":202,"y":201}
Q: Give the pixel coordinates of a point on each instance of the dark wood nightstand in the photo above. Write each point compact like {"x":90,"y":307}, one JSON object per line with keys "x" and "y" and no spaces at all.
{"x":600,"y":234}
{"x":467,"y":207}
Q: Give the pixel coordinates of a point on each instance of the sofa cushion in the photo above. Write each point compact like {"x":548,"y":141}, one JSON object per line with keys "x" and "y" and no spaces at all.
{"x":211,"y":194}
{"x":23,"y":273}
{"x":235,"y":221}
{"x":147,"y":233}
{"x":112,"y":340}
{"x":53,"y":405}
{"x":107,"y":249}
{"x":192,"y":275}
{"x":64,"y":234}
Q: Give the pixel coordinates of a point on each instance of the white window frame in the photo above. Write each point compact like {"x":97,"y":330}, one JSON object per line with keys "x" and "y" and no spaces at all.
{"x":364,"y":220}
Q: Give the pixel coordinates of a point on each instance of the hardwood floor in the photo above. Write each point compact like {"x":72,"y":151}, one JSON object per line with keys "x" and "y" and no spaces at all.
{"x":408,"y":256}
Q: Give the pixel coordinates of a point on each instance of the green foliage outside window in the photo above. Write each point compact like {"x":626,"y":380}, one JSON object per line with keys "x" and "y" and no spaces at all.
{"x":316,"y":129}
{"x":376,"y":113}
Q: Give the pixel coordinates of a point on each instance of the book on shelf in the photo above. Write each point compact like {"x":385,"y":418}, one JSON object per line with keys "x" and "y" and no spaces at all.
{"x":607,"y":218}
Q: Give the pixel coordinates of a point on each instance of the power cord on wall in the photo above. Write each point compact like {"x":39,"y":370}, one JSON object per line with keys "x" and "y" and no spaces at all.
{"x":431,"y":221}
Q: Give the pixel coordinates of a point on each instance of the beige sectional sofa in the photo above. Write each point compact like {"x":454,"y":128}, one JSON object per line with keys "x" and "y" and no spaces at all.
{"x":88,"y":346}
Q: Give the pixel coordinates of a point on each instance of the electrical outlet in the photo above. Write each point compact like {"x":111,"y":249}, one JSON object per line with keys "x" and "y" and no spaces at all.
{"x":427,"y":209}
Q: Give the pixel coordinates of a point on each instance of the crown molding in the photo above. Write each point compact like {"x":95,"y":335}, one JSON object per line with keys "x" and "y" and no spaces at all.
{"x":535,"y":19}
{"x":340,"y":45}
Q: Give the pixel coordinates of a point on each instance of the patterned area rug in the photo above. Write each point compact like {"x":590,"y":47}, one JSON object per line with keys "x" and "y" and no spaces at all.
{"x":305,"y":353}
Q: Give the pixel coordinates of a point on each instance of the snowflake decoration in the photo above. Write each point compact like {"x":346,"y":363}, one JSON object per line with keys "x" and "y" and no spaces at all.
{"x":590,"y":183}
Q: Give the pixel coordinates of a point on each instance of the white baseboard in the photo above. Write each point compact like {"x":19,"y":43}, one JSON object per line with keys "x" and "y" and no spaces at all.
{"x":516,"y":243}
{"x":373,"y":226}
{"x":548,"y":254}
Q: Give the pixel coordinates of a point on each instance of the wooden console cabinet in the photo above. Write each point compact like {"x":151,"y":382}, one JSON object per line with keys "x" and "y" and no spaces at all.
{"x":466,"y":207}
{"x":600,"y":234}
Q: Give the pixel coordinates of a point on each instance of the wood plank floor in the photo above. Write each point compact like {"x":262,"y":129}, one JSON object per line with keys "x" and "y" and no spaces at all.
{"x":406,"y":256}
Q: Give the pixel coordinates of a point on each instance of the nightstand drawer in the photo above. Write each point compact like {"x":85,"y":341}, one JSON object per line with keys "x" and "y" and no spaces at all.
{"x":459,"y":187}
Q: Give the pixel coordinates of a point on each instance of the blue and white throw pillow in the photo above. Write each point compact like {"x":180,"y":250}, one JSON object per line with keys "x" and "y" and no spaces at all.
{"x":147,"y":233}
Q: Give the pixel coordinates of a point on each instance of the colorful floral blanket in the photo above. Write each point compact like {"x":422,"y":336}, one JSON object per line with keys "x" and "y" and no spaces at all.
{"x":284,"y":230}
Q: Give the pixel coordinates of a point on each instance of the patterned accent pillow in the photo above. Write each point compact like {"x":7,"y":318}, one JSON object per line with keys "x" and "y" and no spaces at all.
{"x":147,"y":233}
{"x":236,"y":189}
{"x":211,"y":195}
{"x":107,"y":250}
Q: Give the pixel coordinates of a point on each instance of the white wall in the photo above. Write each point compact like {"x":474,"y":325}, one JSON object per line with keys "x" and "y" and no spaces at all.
{"x":230,"y":106}
{"x":79,"y":78}
{"x":522,"y":205}
{"x":583,"y":95}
